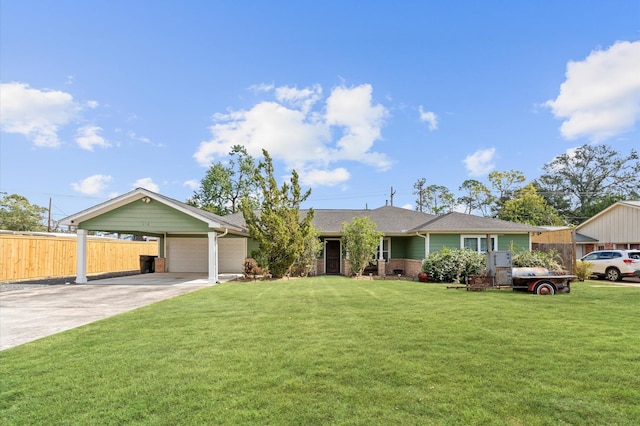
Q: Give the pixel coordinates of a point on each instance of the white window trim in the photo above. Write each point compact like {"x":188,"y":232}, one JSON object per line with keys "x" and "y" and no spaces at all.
{"x":388,"y":250}
{"x":479,"y":237}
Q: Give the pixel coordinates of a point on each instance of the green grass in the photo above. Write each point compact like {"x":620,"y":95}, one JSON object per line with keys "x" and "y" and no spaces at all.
{"x":332,"y":350}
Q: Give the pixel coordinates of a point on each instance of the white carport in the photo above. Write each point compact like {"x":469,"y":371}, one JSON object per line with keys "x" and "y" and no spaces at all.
{"x":191,"y":239}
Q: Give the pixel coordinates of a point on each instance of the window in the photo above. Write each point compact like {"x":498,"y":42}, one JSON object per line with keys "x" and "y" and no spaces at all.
{"x":592,"y":256}
{"x":478,"y":243}
{"x":386,"y":249}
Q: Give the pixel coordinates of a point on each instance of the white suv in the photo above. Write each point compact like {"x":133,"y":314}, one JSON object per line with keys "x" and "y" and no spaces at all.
{"x":614,"y":264}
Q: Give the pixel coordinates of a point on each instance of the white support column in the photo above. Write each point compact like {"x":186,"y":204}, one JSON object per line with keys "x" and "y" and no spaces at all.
{"x":426,"y":243}
{"x":381,"y":248}
{"x":213,"y":257}
{"x":81,"y":257}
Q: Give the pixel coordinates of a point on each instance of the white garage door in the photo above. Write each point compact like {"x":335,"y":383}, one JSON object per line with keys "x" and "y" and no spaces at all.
{"x":191,"y":254}
{"x":231,"y":254}
{"x":187,"y":255}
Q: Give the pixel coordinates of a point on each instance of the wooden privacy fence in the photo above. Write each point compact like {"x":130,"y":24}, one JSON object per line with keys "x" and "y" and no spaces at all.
{"x":24,"y":257}
{"x":565,"y":251}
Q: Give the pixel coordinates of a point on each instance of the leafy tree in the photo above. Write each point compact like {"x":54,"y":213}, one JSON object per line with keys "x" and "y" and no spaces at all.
{"x":17,"y":214}
{"x":434,"y":199}
{"x":477,"y":197}
{"x":360,"y":240}
{"x":224,"y":186}
{"x":589,"y":178}
{"x":310,"y":252}
{"x":530,"y":208}
{"x":277,"y":226}
{"x":504,"y":186}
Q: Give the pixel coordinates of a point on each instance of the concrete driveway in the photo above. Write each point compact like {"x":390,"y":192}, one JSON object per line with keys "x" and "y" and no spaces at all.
{"x":31,"y":314}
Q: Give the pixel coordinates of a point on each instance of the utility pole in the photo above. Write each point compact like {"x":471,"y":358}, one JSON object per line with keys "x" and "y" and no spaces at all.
{"x":49,"y":217}
{"x":392,"y":194}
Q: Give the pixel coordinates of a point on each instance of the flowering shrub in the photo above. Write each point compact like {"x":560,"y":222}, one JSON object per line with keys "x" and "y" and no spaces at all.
{"x":522,"y":258}
{"x":453,"y":265}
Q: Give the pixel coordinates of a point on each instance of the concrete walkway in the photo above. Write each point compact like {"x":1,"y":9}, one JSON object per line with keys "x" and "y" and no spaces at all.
{"x":31,"y":314}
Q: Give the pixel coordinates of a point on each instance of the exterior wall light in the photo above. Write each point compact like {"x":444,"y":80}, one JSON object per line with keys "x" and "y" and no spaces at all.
{"x":146,"y":200}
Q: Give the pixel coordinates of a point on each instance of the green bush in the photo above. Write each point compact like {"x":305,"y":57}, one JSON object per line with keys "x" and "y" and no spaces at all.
{"x":453,"y":265}
{"x":522,"y":258}
{"x":583,"y":270}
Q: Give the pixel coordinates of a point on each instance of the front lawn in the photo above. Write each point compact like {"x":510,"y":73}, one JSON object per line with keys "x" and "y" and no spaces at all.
{"x":332,"y":350}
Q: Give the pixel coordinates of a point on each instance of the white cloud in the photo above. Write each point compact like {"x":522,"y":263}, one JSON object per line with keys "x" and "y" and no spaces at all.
{"x":146,"y":183}
{"x":324,"y":177}
{"x":92,"y":104}
{"x":430,"y":118}
{"x":135,"y":137}
{"x":87,"y":137}
{"x":480,"y":162}
{"x":407,"y":207}
{"x":601,"y":96}
{"x":361,"y":122}
{"x":35,"y":114}
{"x":192,"y":184}
{"x":92,"y":185}
{"x":303,"y":99}
{"x":296,"y":129}
{"x":262,"y":87}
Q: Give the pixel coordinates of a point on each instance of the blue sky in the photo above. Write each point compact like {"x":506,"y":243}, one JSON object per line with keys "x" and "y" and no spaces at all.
{"x":100,"y":97}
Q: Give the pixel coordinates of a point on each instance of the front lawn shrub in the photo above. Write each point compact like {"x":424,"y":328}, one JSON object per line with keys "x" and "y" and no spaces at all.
{"x":583,"y":270}
{"x":453,"y":265}
{"x":522,"y":258}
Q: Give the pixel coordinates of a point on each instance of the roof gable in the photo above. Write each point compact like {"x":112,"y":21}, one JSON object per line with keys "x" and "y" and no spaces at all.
{"x":620,"y":204}
{"x":211,"y":220}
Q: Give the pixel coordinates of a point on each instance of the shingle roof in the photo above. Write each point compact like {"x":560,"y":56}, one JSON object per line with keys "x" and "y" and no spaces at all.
{"x":390,"y":220}
{"x":456,"y":222}
{"x":398,"y":221}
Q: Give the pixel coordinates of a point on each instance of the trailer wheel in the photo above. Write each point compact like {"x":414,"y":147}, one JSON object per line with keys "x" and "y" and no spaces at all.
{"x":545,"y":289}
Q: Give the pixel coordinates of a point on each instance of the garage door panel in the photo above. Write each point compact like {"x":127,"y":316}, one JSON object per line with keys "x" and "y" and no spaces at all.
{"x":231,"y":254}
{"x":187,"y":255}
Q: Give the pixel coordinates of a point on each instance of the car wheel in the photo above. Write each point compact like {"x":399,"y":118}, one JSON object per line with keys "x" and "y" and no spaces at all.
{"x":613,"y":274}
{"x":545,"y":289}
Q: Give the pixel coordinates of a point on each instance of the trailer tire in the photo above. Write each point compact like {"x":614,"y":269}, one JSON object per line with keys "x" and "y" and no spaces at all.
{"x":545,"y":289}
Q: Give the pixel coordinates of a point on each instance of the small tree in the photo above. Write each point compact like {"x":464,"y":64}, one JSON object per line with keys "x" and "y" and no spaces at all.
{"x":361,"y":240}
{"x":17,"y":214}
{"x":277,"y":226}
{"x":310,"y":252}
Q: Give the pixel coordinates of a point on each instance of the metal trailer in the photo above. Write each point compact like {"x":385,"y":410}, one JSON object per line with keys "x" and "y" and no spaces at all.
{"x":540,"y":281}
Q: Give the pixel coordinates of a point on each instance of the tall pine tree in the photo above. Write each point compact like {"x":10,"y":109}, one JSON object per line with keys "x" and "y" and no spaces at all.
{"x":277,"y":226}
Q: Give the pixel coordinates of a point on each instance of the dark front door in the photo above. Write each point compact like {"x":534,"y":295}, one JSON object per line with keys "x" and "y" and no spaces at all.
{"x":333,"y":257}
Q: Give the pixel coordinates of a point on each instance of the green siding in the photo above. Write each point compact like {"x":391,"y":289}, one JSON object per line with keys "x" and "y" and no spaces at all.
{"x":398,"y":247}
{"x":520,"y":241}
{"x":439,"y":241}
{"x":415,"y":248}
{"x":407,"y":247}
{"x":139,"y":217}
